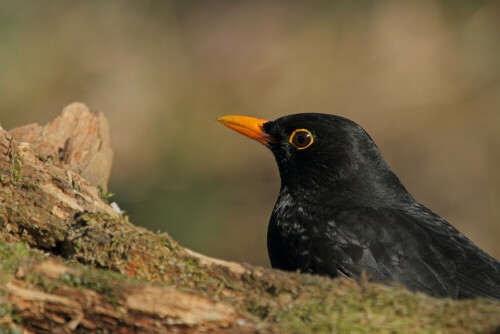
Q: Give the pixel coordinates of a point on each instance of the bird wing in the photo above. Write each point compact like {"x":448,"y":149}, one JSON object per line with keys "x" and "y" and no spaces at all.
{"x":414,"y":247}
{"x":477,"y":273}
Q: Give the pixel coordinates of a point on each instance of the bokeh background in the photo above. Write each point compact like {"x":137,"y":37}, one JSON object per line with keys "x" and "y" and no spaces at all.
{"x":423,"y":78}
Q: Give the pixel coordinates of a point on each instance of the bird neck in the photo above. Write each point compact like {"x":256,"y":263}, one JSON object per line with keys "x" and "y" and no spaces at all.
{"x":360,"y":187}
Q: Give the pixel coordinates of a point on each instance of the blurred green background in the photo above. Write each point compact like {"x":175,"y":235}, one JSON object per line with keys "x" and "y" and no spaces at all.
{"x":423,"y":78}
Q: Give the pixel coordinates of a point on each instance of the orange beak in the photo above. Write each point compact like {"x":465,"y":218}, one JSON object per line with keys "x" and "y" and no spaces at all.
{"x":248,"y":126}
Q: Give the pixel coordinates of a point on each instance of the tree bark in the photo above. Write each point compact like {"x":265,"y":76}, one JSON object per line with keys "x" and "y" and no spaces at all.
{"x":70,"y":263}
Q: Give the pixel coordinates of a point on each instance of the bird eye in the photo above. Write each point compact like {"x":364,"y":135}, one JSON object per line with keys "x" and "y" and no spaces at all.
{"x":301,"y":139}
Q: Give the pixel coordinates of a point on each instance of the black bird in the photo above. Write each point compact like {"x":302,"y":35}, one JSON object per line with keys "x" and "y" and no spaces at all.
{"x":342,"y":211}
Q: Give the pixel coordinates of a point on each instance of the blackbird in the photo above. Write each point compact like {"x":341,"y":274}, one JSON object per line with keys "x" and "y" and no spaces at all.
{"x":342,"y":211}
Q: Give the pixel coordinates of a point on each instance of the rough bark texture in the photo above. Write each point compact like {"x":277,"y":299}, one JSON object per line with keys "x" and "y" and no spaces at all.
{"x":78,"y":139}
{"x":70,"y":263}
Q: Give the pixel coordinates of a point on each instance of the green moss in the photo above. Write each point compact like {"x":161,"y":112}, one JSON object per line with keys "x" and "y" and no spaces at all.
{"x":15,"y":166}
{"x":48,"y":160}
{"x":101,"y":281}
{"x":190,"y":268}
{"x":5,"y":310}
{"x":104,"y":195}
{"x":261,"y":311}
{"x":12,"y":256}
{"x":166,"y":241}
{"x":10,"y":329}
{"x":371,"y":308}
{"x":29,"y":186}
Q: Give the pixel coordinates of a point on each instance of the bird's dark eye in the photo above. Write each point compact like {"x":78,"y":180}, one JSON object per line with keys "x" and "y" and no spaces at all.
{"x":301,"y":139}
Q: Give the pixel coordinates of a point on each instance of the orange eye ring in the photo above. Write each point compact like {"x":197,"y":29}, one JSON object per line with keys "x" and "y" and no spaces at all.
{"x":301,"y":139}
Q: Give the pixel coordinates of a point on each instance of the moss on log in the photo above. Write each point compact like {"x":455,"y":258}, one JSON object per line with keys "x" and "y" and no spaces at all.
{"x":70,"y":263}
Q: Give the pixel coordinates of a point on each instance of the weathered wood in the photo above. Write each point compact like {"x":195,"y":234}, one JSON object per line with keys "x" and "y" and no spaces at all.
{"x":78,"y":140}
{"x":133,"y":307}
{"x":70,"y":263}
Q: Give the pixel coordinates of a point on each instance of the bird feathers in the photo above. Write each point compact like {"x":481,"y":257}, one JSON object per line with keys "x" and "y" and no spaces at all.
{"x":342,"y":211}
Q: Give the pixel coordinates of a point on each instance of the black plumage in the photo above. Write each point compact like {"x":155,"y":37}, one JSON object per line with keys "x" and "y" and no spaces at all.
{"x":342,"y":211}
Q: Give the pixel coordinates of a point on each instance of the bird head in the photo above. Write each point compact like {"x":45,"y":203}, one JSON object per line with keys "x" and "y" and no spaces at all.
{"x":323,"y":154}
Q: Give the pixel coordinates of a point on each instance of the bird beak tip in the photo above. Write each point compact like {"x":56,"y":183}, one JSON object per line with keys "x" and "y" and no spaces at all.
{"x":246,"y":125}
